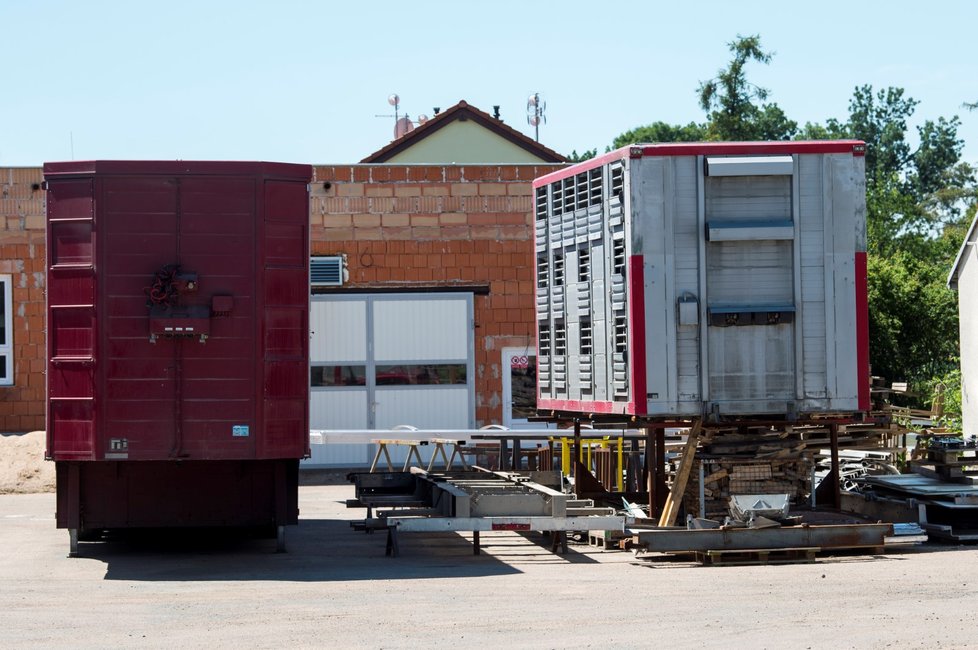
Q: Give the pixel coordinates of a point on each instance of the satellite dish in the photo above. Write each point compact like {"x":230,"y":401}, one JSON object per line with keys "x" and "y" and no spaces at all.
{"x":402,"y":127}
{"x":422,"y":119}
{"x":394,"y":100}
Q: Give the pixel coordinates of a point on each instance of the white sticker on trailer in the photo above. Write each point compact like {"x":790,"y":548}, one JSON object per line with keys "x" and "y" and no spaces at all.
{"x":240,"y":431}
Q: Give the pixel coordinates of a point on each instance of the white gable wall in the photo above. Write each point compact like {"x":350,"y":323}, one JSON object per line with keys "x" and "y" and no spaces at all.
{"x":968,"y":310}
{"x":463,"y":142}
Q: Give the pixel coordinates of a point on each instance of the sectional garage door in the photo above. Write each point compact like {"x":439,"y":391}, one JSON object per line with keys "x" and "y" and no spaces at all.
{"x":383,"y":360}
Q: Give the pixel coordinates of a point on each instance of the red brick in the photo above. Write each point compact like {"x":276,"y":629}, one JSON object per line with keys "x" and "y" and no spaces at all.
{"x":397,"y":233}
{"x":492,"y":189}
{"x":398,"y":174}
{"x":407,"y":190}
{"x":405,"y":204}
{"x":484,"y":232}
{"x":368,"y":234}
{"x":464,"y":189}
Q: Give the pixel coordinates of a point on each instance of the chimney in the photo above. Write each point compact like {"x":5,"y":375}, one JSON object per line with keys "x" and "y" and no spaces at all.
{"x":437,"y":110}
{"x":495,"y":111}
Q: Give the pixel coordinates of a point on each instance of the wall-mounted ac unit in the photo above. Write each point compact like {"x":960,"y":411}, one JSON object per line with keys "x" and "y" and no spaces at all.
{"x":328,"y":271}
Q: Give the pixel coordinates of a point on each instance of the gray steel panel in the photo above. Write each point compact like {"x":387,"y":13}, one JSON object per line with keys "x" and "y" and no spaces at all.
{"x":748,"y":197}
{"x":749,"y":165}
{"x":842,"y":536}
{"x":450,"y":524}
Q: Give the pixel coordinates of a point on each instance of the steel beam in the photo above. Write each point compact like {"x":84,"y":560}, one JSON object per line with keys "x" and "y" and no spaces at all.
{"x":719,"y":539}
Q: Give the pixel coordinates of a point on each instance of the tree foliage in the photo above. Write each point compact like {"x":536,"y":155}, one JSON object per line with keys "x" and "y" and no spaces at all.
{"x":662,"y":132}
{"x":735,"y":107}
{"x":920,"y":197}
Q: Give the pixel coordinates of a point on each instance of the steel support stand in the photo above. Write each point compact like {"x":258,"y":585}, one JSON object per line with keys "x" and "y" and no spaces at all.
{"x":660,"y":471}
{"x":280,"y":539}
{"x":576,"y":451}
{"x":393,"y":549}
{"x":72,"y":542}
{"x":834,"y":474}
{"x":558,"y":541}
{"x":476,"y":543}
{"x":649,"y":469}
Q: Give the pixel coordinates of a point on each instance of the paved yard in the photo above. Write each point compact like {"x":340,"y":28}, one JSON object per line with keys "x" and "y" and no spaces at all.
{"x":335,"y":588}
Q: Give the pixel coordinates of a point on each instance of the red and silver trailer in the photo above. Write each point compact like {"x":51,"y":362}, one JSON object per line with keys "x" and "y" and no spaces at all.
{"x":177,"y":311}
{"x":680,"y":280}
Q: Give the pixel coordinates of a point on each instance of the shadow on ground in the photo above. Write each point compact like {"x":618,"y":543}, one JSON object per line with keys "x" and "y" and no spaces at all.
{"x":318,"y":550}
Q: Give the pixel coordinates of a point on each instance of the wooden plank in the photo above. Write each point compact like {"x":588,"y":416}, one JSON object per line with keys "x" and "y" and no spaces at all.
{"x":671,"y":508}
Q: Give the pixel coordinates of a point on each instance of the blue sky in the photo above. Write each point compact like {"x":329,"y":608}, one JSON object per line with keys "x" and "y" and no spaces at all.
{"x":303,"y":81}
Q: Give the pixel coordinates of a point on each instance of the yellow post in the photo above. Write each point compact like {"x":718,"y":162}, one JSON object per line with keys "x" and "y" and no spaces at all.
{"x":565,"y":457}
{"x":621,"y":467}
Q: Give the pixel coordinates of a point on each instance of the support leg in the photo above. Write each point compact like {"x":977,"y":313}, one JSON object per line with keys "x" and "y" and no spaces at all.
{"x":476,"y":543}
{"x":280,"y":539}
{"x":393,"y":549}
{"x":558,"y":541}
{"x":72,"y":542}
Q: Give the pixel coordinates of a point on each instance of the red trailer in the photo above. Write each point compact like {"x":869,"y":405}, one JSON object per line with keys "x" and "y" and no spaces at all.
{"x":177,"y":311}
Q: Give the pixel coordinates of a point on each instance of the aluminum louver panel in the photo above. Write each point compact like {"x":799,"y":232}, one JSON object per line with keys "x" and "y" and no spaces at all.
{"x":326,"y":271}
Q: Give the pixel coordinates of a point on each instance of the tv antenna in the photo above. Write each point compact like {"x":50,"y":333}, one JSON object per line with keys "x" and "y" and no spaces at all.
{"x":402,"y":125}
{"x":534,"y":113}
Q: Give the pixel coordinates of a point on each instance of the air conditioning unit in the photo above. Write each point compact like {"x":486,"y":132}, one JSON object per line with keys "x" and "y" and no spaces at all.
{"x":328,"y":271}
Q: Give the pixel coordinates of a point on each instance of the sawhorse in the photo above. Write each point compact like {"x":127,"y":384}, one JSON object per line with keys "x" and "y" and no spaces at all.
{"x":412,"y":446}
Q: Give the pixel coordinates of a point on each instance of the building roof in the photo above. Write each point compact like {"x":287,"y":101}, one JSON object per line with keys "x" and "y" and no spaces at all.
{"x":462,"y":112}
{"x":971,"y":239}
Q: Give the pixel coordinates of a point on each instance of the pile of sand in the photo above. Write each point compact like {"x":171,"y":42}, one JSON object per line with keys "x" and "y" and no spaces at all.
{"x":22,"y":465}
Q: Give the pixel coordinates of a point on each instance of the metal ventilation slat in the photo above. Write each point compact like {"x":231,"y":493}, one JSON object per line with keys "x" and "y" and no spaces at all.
{"x":326,"y":271}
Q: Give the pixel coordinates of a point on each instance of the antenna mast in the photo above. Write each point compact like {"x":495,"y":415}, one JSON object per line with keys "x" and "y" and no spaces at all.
{"x":535,"y":113}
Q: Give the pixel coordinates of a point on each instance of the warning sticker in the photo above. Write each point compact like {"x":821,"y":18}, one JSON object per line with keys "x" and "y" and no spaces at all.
{"x":240,"y":431}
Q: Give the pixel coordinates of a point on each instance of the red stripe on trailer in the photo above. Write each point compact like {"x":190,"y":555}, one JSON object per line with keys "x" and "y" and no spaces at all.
{"x":636,"y":334}
{"x":862,"y":331}
{"x":854,"y":147}
{"x":617,"y":154}
{"x":581,"y":406}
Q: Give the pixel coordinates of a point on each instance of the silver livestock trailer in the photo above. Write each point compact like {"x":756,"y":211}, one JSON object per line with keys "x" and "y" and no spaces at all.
{"x":690,"y":279}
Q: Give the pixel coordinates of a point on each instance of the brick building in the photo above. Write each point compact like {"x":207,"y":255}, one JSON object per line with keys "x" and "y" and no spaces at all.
{"x":405,"y":231}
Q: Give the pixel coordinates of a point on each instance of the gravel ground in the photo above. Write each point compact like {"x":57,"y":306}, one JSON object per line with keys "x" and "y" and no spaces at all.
{"x":335,"y":588}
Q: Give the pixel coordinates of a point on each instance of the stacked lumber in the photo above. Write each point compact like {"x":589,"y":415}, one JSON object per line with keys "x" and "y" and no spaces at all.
{"x":958,"y":465}
{"x":723,"y":477}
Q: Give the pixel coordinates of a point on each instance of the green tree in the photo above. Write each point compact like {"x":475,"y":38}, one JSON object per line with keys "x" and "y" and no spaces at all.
{"x":662,"y":132}
{"x":735,"y":107}
{"x":918,"y":203}
{"x":588,"y":154}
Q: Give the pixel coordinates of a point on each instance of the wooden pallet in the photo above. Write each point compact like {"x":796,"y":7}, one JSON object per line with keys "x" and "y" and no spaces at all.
{"x":740,"y":557}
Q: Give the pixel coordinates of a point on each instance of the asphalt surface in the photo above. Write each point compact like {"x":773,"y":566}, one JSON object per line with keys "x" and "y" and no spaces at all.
{"x":335,"y":588}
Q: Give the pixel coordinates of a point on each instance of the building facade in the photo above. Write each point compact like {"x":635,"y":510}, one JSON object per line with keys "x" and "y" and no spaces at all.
{"x":964,"y":279}
{"x":412,"y":237}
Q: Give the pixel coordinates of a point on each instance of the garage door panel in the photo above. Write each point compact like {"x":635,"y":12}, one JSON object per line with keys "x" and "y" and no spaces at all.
{"x":339,"y":330}
{"x":338,"y":409}
{"x":420,"y":329}
{"x":441,"y":408}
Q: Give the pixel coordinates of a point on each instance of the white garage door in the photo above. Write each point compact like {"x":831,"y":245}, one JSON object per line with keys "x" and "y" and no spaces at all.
{"x":383,"y":360}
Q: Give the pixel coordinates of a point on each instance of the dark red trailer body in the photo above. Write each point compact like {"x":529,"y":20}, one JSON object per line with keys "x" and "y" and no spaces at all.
{"x":178,"y":297}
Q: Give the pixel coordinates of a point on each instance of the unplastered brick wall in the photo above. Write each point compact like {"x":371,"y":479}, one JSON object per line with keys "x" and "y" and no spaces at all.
{"x":418,"y":226}
{"x":22,"y":258}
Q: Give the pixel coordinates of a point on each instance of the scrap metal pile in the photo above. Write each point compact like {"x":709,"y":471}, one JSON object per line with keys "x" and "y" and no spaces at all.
{"x":944,"y":488}
{"x":474,"y":501}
